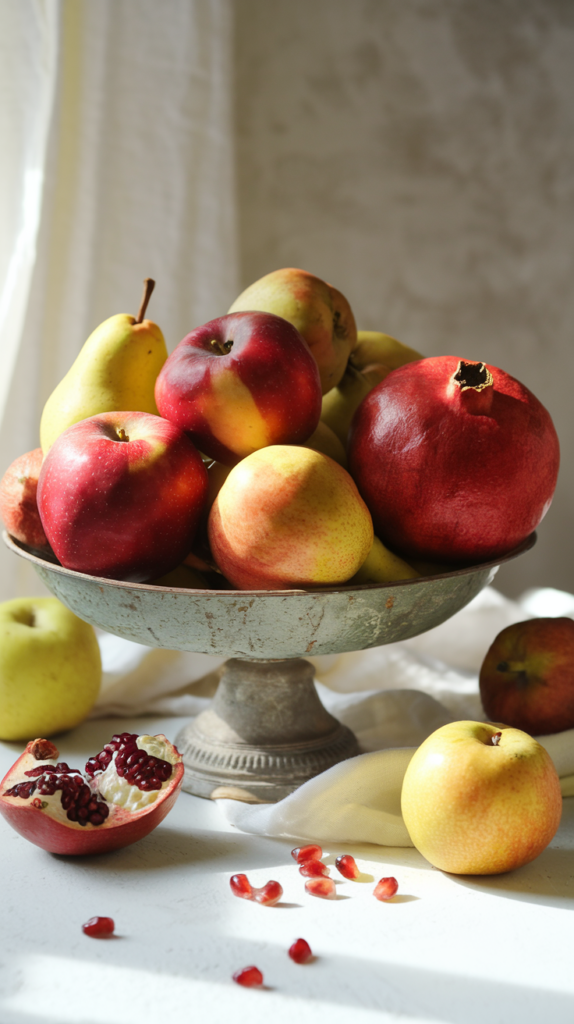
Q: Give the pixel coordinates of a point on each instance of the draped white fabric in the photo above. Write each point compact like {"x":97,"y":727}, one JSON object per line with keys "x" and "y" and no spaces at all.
{"x":392,"y":697}
{"x":117,"y":164}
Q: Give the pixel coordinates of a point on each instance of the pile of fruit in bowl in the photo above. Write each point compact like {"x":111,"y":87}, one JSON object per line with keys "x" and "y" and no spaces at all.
{"x":279,"y":448}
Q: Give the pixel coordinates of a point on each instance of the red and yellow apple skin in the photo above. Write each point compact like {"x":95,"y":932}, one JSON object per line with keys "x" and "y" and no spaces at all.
{"x":480,"y":799}
{"x":18,"y":504}
{"x":318,"y":311}
{"x":527,"y":677}
{"x":121,"y":494}
{"x":240,"y":383}
{"x":288,"y":517}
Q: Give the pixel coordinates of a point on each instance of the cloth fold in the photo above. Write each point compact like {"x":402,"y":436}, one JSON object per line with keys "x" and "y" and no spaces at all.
{"x":392,"y":697}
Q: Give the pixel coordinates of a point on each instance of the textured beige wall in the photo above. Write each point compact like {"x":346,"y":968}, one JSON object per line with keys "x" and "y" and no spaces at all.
{"x":419,"y":154}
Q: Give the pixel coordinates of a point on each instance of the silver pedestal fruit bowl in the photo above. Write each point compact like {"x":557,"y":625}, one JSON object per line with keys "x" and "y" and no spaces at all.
{"x":266,"y":731}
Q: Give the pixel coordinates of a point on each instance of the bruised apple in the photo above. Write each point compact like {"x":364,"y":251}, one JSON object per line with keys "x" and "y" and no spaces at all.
{"x":318,"y":311}
{"x":288,"y":517}
{"x":239,"y":383}
{"x":479,"y":799}
{"x":456,"y":460}
{"x":527,"y":676}
{"x":121,"y":494}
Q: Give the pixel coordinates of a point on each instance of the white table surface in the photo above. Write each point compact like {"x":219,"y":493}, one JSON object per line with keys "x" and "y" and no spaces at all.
{"x":452,"y":949}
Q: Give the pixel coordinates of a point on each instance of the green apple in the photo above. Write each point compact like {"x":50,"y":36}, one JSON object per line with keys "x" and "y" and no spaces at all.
{"x":50,"y":668}
{"x":479,"y":799}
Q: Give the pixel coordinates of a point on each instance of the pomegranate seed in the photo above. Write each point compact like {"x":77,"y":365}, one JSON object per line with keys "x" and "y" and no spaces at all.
{"x":303,"y":853}
{"x":300,"y":951}
{"x":241,"y":886}
{"x":99,"y":927}
{"x":347,"y":866}
{"x":132,"y":763}
{"x":268,"y":895}
{"x":249,"y":977}
{"x":324,"y":887}
{"x":386,"y":889}
{"x":313,"y":868}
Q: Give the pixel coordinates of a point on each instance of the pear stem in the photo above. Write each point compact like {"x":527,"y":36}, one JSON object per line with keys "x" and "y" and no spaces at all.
{"x":149,"y":285}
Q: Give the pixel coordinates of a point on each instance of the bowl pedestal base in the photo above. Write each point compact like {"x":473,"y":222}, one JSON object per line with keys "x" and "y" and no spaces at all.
{"x":265,"y":733}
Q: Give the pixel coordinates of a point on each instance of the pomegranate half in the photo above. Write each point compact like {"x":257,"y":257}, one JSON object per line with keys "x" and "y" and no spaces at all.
{"x":456,"y":460}
{"x":127,"y":789}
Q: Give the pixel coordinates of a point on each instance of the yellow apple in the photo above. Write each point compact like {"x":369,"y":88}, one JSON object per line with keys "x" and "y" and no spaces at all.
{"x":479,"y":799}
{"x":50,"y":668}
{"x":288,"y":517}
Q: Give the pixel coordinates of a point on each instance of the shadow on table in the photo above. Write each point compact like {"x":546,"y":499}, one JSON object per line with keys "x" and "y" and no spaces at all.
{"x":330,"y":982}
{"x":548,"y":880}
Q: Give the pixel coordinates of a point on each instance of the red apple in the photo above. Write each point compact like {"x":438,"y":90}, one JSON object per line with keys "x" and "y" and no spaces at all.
{"x":18,"y":505}
{"x":120,"y":496}
{"x":240,"y":383}
{"x":318,"y":311}
{"x":527,"y":676}
{"x":457,"y":461}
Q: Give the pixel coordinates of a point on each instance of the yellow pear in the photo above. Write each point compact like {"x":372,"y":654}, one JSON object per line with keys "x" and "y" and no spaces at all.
{"x":376,"y":347}
{"x":115,"y":370}
{"x":325,"y":440}
{"x":339,"y":404}
{"x":382,"y":566}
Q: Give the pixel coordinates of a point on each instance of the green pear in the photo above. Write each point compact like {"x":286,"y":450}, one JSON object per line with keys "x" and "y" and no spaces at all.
{"x":382,"y":566}
{"x":376,"y":347}
{"x":116,"y":370}
{"x":340,"y":403}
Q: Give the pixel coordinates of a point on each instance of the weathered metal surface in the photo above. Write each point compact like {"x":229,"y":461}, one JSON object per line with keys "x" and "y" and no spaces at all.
{"x":265,"y":733}
{"x":265,"y":624}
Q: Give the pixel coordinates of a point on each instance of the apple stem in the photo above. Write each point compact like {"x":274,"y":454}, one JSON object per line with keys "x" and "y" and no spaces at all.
{"x":149,"y":285}
{"x":222,"y":348}
{"x":510,"y":666}
{"x":495,"y":740}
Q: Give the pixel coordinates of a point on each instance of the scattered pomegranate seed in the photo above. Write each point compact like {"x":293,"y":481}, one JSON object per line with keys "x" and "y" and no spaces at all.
{"x":313,"y":868}
{"x":249,"y":977}
{"x":300,"y":951}
{"x":99,"y":927}
{"x":386,"y":889}
{"x":241,"y":886}
{"x":303,"y":853}
{"x":268,"y":895}
{"x":347,"y":866}
{"x":324,"y":887}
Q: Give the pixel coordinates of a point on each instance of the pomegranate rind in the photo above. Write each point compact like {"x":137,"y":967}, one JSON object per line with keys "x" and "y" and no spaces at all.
{"x":121,"y":828}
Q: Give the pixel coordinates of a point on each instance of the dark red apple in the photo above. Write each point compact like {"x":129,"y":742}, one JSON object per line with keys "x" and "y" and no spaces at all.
{"x":527,"y":676}
{"x":121,"y":494}
{"x":240,"y":383}
{"x":456,"y":460}
{"x":18,"y":505}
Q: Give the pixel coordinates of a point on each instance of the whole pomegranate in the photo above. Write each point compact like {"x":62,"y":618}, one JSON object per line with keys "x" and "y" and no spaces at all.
{"x":456,"y":460}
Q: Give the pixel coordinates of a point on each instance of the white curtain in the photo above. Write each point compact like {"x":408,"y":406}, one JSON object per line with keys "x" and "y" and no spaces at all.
{"x":117,"y":164}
